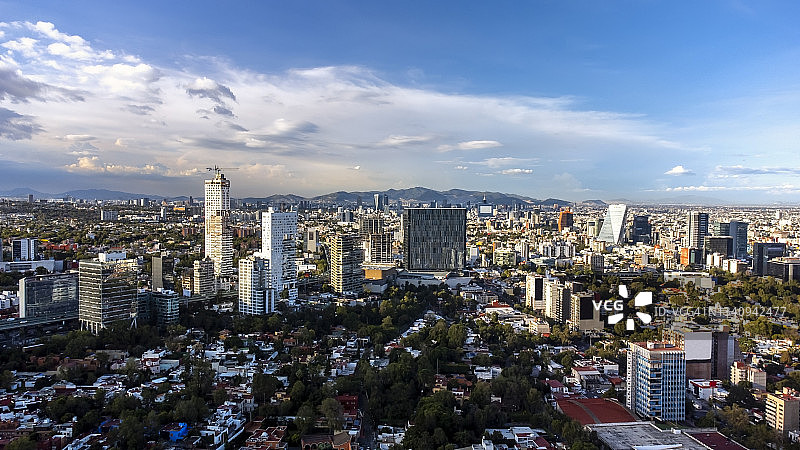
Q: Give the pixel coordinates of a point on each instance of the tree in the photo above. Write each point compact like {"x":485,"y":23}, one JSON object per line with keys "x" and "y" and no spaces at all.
{"x":21,"y":443}
{"x":332,"y":410}
{"x":304,"y":419}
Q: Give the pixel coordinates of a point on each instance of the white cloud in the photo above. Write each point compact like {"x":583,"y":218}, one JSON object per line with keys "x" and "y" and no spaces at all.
{"x":782,"y":188}
{"x":300,"y":124}
{"x":23,"y":45}
{"x":79,"y":137}
{"x":469,"y":145}
{"x":516,"y":171}
{"x":679,"y":170}
{"x":393,"y":140}
{"x":123,"y":78}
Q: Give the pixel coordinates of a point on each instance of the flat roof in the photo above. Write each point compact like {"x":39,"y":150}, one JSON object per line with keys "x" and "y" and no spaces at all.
{"x":716,"y":441}
{"x":589,"y":411}
{"x":630,"y":436}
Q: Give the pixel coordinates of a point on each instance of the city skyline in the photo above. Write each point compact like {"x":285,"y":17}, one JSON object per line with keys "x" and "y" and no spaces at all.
{"x":573,"y":101}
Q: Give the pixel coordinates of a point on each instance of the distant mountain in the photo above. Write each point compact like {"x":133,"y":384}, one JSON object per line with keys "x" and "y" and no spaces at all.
{"x":85,"y":194}
{"x":413,"y":195}
{"x":598,"y":203}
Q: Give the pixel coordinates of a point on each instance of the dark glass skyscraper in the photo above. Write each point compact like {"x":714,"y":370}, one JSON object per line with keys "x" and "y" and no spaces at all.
{"x":434,"y":239}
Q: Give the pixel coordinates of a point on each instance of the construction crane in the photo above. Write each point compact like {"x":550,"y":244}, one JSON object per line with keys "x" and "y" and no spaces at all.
{"x":217,"y":170}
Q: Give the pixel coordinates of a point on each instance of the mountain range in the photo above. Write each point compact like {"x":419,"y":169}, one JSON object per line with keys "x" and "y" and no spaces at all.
{"x":411,"y":195}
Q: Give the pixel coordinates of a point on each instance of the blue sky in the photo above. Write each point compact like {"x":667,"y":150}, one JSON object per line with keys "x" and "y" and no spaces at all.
{"x":641,"y":100}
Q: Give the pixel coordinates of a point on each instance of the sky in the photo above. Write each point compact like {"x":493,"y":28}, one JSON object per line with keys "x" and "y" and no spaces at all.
{"x":641,"y":100}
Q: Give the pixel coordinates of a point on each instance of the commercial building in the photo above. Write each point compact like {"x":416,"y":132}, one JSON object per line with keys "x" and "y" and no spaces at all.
{"x":434,"y":239}
{"x":107,"y":291}
{"x":784,"y":268}
{"x":697,"y":229}
{"x":719,"y":244}
{"x":218,"y":233}
{"x":161,"y":307}
{"x":783,"y":410}
{"x":765,"y":251}
{"x":613,"y":229}
{"x":656,"y":384}
{"x":565,"y":219}
{"x":642,"y":230}
{"x":346,"y":259}
{"x":256,"y":294}
{"x":709,"y":352}
{"x":163,"y":276}
{"x":278,"y":246}
{"x":737,"y":230}
{"x":49,"y":296}
{"x":25,"y":249}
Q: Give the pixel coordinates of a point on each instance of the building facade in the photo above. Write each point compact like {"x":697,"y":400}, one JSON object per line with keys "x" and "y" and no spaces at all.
{"x":278,"y":236}
{"x":434,"y":239}
{"x":107,"y":291}
{"x":49,"y":296}
{"x":346,"y":259}
{"x":218,"y":233}
{"x":613,"y":228}
{"x":656,"y":384}
{"x":697,"y":229}
{"x":256,"y":294}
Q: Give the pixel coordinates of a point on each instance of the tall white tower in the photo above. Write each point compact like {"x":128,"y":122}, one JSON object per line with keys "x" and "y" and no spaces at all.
{"x":613,"y":228}
{"x":278,"y":236}
{"x":218,"y":235}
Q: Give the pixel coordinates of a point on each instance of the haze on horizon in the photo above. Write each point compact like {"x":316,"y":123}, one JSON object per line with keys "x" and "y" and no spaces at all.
{"x":573,"y":100}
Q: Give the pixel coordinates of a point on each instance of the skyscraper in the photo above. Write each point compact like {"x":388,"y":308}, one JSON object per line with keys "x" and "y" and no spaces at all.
{"x":434,"y":238}
{"x":346,"y":258}
{"x":162,"y":269}
{"x":697,"y":229}
{"x":256,"y":295}
{"x":565,"y":219}
{"x":738,"y":231}
{"x":641,"y":230}
{"x":278,"y":234}
{"x":379,"y":202}
{"x":218,"y":234}
{"x":613,"y":228}
{"x":656,"y":385}
{"x":107,"y":291}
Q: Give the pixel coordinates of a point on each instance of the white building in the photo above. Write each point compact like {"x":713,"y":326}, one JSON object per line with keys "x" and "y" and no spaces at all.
{"x":613,"y":229}
{"x":218,"y":234}
{"x":278,"y":234}
{"x":256,"y":295}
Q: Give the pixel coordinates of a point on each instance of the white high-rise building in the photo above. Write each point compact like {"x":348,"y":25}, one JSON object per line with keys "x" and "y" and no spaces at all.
{"x":256,"y":295}
{"x":656,"y":385}
{"x":278,"y":235}
{"x":218,"y":234}
{"x":613,"y":229}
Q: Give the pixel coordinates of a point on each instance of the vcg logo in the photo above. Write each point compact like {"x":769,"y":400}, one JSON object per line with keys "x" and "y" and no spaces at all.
{"x":618,"y":307}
